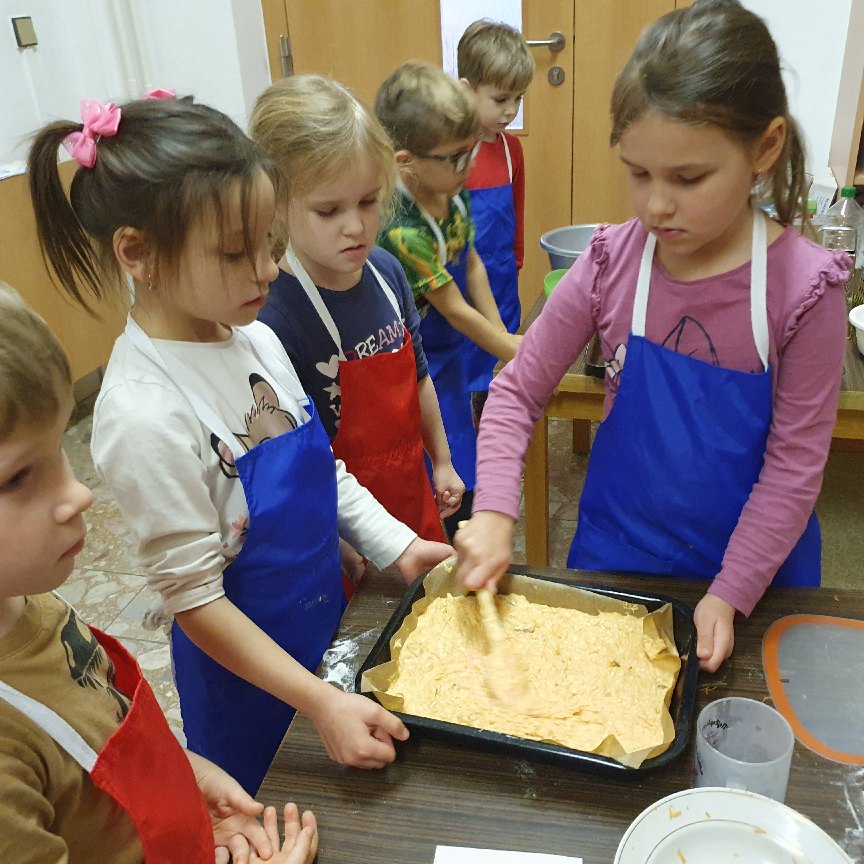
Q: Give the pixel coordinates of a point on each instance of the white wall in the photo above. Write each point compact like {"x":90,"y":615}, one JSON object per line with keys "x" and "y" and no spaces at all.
{"x":114,"y":50}
{"x":810,"y":36}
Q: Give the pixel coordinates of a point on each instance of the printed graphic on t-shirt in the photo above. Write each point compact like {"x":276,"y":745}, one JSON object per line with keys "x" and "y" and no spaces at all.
{"x":687,"y":337}
{"x":264,"y":420}
{"x":383,"y":340}
{"x":89,"y":665}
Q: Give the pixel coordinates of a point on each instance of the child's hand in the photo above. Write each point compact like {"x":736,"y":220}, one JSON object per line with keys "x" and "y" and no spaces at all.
{"x":301,"y":837}
{"x":449,"y":488}
{"x":234,"y":813}
{"x":484,"y":545}
{"x":355,"y":730}
{"x":715,"y":631}
{"x":421,"y":556}
{"x":353,"y":563}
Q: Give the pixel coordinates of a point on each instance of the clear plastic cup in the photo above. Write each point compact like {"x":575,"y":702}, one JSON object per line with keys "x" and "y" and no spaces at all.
{"x":743,"y":744}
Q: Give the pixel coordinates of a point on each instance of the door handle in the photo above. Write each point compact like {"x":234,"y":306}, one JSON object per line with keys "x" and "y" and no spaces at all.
{"x":555,"y":42}
{"x":286,"y":56}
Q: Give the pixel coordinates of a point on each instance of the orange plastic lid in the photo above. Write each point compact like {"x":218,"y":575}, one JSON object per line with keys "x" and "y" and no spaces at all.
{"x":814,"y":667}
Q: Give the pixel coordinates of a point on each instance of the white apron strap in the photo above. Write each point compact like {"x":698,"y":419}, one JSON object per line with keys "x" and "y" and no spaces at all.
{"x":202,"y":410}
{"x":314,"y":296}
{"x":52,"y":724}
{"x":432,"y":223}
{"x":758,"y":286}
{"x":509,"y":160}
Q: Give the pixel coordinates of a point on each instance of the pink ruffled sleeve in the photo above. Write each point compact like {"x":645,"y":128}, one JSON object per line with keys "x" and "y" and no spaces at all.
{"x":519,"y":393}
{"x":806,"y":389}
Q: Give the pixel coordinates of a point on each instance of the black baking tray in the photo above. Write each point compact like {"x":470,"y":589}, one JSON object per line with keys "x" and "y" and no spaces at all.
{"x":681,"y":706}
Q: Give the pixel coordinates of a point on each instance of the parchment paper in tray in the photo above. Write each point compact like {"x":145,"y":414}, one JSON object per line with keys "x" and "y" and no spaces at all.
{"x":656,"y":625}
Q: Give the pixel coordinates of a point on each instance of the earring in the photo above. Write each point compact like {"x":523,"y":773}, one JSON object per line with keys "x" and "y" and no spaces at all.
{"x":150,"y":286}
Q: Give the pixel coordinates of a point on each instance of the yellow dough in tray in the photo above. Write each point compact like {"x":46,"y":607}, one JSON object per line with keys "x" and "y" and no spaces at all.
{"x":588,"y":676}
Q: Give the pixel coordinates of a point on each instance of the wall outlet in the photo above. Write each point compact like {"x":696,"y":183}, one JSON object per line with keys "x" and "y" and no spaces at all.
{"x":25,"y":32}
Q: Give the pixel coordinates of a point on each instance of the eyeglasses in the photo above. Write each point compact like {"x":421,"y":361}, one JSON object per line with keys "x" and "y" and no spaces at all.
{"x":459,"y":161}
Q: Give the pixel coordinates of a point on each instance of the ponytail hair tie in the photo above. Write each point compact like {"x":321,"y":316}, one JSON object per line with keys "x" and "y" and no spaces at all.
{"x":160,"y":93}
{"x":99,"y":120}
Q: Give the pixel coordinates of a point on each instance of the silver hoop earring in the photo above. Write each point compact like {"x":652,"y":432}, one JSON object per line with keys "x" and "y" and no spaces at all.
{"x":150,"y":286}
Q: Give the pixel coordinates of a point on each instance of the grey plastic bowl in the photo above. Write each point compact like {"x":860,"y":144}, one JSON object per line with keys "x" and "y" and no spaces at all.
{"x":565,"y":245}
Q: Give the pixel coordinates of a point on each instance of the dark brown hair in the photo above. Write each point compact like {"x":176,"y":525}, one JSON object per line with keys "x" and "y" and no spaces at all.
{"x":169,"y":160}
{"x":34,"y":369}
{"x":714,"y":62}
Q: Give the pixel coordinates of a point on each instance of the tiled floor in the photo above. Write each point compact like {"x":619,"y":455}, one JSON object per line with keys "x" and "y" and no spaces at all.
{"x":109,"y":591}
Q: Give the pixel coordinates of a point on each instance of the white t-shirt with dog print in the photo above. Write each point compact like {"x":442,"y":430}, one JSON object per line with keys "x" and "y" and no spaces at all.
{"x":175,"y":481}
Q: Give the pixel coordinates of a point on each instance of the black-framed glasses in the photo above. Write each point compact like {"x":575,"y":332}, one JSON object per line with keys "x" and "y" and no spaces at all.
{"x":459,"y":160}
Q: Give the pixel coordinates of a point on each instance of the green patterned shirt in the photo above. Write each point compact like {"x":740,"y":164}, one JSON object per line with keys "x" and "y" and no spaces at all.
{"x":410,"y":238}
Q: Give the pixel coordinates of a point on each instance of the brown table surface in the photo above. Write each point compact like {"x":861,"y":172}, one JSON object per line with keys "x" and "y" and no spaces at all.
{"x":436,"y":793}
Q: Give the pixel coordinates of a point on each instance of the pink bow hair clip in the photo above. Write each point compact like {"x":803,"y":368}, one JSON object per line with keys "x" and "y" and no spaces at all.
{"x":160,"y":93}
{"x":100,"y":120}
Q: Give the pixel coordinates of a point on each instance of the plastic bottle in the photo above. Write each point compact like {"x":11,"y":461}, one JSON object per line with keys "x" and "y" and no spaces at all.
{"x":844,"y":229}
{"x":846,"y":212}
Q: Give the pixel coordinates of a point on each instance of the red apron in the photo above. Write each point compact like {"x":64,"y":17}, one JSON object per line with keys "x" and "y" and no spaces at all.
{"x":380,"y":437}
{"x":142,"y":767}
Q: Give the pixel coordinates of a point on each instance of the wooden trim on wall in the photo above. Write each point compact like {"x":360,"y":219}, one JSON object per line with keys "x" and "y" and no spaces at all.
{"x":87,"y":340}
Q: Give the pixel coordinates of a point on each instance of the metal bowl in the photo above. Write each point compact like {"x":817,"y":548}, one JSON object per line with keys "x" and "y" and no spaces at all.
{"x":565,"y":245}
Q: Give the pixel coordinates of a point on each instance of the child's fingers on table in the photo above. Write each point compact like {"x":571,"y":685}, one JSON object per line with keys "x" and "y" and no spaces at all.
{"x":271,"y":827}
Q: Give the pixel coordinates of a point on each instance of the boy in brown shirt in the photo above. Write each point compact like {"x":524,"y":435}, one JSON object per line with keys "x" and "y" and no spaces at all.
{"x":75,"y":766}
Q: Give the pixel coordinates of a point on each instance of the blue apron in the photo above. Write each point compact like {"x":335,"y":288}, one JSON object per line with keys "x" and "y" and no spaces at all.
{"x":674,"y":463}
{"x":446,"y":351}
{"x":494,"y":216}
{"x":286,"y":579}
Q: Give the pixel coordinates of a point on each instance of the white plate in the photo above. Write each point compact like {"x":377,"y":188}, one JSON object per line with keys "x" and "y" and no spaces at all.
{"x":718,"y":825}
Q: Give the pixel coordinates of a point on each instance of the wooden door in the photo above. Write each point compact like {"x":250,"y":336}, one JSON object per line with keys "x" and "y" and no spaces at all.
{"x":605,"y":35}
{"x":360,"y":42}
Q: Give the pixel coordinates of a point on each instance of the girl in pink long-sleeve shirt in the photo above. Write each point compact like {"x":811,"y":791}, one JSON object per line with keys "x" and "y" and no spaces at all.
{"x":722,"y":331}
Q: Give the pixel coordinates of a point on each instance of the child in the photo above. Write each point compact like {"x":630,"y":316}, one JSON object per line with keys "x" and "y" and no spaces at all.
{"x":68,"y":692}
{"x":433,"y":124}
{"x":710,"y":461}
{"x":341,"y":306}
{"x":204,"y":434}
{"x":495,"y":63}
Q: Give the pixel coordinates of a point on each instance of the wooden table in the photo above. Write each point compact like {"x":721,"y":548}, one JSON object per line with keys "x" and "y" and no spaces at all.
{"x":437,"y":793}
{"x":579,"y":397}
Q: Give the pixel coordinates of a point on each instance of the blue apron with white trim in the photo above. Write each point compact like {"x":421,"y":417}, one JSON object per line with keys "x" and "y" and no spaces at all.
{"x":494,"y":216}
{"x":446,"y":352}
{"x":287,"y":579}
{"x":674,"y":463}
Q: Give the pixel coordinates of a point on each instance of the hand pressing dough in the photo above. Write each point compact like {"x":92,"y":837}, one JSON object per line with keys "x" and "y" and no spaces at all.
{"x":589,"y":676}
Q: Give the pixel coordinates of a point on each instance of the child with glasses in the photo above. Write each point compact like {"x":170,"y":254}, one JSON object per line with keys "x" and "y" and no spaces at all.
{"x":434,"y":126}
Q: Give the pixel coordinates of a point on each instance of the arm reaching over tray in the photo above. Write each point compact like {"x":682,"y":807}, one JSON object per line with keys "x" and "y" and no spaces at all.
{"x":484,"y":546}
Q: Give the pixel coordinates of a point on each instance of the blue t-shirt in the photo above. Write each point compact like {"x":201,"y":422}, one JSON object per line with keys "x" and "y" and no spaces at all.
{"x":367,"y":324}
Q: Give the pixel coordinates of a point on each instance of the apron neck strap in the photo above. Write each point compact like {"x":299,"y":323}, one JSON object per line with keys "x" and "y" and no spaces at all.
{"x":314,"y":295}
{"x":52,"y":724}
{"x":202,"y":410}
{"x":507,"y":155}
{"x":430,"y":221}
{"x":758,"y":286}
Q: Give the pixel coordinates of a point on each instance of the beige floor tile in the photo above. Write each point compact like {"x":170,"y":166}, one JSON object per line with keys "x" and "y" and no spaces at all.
{"x":100,"y":596}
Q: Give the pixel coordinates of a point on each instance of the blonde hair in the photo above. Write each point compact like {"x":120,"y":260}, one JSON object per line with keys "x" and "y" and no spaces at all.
{"x":313,"y":128}
{"x":34,"y":370}
{"x":491,"y":52}
{"x":422,"y":108}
